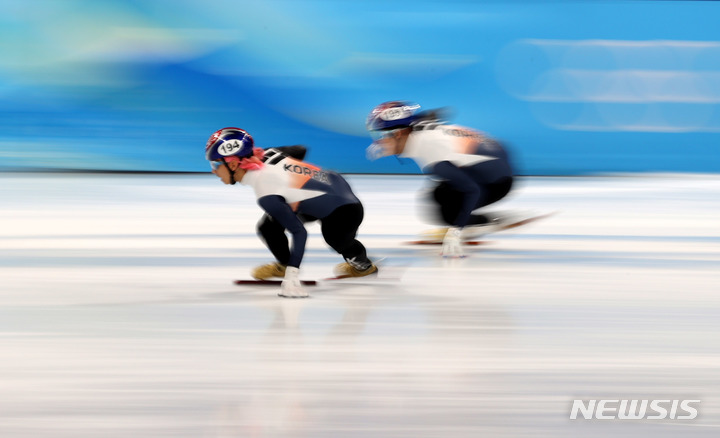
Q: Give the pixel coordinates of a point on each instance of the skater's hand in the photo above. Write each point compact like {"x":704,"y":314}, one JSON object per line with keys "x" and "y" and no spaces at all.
{"x":291,"y":287}
{"x":452,"y":246}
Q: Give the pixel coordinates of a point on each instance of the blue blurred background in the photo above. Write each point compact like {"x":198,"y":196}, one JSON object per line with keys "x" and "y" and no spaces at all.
{"x":573,"y":87}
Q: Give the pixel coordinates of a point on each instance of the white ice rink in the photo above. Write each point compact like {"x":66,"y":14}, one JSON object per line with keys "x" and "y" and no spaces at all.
{"x":118,"y":316}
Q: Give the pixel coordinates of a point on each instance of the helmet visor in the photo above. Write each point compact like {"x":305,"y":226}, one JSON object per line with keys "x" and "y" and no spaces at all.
{"x":377,"y":135}
{"x":215,"y":164}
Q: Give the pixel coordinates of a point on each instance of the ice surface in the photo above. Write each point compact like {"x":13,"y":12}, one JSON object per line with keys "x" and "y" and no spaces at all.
{"x":118,"y":316}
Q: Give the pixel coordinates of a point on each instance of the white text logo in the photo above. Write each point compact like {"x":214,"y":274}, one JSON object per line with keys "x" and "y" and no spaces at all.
{"x":634,"y":409}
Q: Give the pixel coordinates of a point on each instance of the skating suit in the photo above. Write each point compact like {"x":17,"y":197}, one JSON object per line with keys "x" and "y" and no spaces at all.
{"x":466,"y":162}
{"x":286,"y":187}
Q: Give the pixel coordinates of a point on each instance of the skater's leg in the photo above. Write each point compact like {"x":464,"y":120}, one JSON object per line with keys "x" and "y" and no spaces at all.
{"x":495,"y":192}
{"x":339,"y":229}
{"x":448,"y":201}
{"x":274,"y":237}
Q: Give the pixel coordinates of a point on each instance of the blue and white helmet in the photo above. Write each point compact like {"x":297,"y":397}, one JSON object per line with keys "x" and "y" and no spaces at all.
{"x":383,"y":120}
{"x":228,"y":142}
{"x":392,"y":115}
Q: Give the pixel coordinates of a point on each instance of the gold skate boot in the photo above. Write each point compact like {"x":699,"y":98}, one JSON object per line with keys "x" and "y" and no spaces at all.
{"x":268,"y":271}
{"x":434,"y":235}
{"x":347,"y":270}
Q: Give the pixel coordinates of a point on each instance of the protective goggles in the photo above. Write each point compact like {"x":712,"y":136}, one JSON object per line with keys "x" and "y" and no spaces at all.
{"x":379,"y":135}
{"x":378,"y":148}
{"x":223,"y":161}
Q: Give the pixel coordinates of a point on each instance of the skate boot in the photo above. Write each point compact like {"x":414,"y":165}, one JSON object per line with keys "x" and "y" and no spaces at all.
{"x":475,"y":232}
{"x":353,"y":269}
{"x":508,"y":220}
{"x":268,"y":271}
{"x":469,"y":233}
{"x":435,"y":235}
